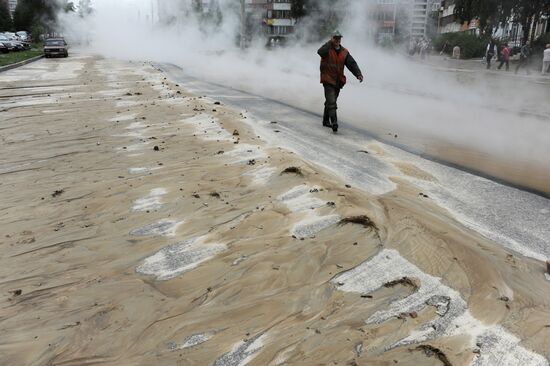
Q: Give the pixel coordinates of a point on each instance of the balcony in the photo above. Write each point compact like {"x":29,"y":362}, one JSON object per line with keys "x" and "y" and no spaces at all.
{"x":281,"y":6}
{"x":280,"y":22}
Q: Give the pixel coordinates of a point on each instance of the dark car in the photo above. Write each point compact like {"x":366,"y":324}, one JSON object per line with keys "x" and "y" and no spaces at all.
{"x":14,"y":38}
{"x":12,"y":46}
{"x":56,"y":47}
{"x":3,"y":48}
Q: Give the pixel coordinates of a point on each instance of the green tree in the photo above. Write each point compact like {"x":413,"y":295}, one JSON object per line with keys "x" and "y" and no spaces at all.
{"x":529,"y":12}
{"x":68,"y":6}
{"x":299,"y":8}
{"x":39,"y":13}
{"x":85,"y":8}
{"x":29,"y":12}
{"x":490,"y":13}
{"x":5,"y":17}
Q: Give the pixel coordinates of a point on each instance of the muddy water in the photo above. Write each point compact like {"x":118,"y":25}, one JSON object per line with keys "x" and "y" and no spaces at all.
{"x":201,"y":252}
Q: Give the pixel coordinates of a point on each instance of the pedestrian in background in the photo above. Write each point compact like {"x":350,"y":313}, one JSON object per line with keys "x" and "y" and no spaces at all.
{"x":456,"y":52}
{"x":490,"y":53}
{"x":334,"y":57}
{"x":546,"y":60}
{"x":505,"y":57}
{"x":524,"y":55}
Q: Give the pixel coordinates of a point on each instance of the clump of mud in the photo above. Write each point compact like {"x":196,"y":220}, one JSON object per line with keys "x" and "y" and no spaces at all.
{"x":363,"y":220}
{"x":405,"y":281}
{"x":293,"y":170}
{"x":432,"y":351}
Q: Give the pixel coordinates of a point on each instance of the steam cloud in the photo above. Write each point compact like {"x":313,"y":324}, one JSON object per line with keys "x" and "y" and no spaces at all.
{"x":429,"y":108}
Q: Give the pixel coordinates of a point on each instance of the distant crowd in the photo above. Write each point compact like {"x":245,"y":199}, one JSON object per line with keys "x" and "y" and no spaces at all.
{"x":503,"y":56}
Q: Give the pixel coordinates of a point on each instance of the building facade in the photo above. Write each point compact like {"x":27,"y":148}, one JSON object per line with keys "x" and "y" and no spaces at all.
{"x":269,"y":19}
{"x":12,"y":5}
{"x":278,"y":19}
{"x":509,"y":31}
{"x":404,"y":19}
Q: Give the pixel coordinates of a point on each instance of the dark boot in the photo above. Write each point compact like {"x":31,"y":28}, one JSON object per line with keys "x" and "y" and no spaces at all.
{"x":334,"y":120}
{"x":326,"y":121}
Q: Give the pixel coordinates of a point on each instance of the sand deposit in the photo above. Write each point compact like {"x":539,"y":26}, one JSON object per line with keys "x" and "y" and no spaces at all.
{"x":145,"y":225}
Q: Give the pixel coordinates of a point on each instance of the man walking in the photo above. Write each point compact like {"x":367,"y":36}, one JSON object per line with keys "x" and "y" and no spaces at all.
{"x":505,"y":57}
{"x":524,"y":55}
{"x":490,"y":53}
{"x":333,"y":59}
{"x":546,"y":60}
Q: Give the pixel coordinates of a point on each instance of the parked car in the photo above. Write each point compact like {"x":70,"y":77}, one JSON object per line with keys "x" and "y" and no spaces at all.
{"x":17,"y":40}
{"x":24,"y":36}
{"x":12,"y":46}
{"x":3,"y":48}
{"x":56,"y":47}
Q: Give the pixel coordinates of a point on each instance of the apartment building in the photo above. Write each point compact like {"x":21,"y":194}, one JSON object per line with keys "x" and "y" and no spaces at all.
{"x":423,"y":17}
{"x":408,"y":19}
{"x":278,"y":20}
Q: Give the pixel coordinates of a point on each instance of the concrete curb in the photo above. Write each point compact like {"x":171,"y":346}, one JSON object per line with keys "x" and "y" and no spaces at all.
{"x":21,"y":63}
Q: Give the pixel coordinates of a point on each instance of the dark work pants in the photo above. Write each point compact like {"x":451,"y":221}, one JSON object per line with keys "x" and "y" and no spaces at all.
{"x":502,"y":62}
{"x":489,"y":58}
{"x":331,"y":98}
{"x":523,"y":62}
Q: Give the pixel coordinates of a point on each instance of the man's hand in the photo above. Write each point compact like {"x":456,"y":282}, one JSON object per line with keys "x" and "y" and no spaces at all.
{"x":360,"y":78}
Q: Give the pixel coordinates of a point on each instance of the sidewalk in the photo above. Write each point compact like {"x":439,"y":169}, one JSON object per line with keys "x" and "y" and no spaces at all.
{"x":446,"y":63}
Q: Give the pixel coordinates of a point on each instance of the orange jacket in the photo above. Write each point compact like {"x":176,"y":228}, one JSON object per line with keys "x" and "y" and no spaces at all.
{"x":332,"y":67}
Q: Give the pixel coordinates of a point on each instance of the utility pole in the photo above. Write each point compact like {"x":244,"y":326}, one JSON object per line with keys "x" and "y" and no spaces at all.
{"x":243,"y":24}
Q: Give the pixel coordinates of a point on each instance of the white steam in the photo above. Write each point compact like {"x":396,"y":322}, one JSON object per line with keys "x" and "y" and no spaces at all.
{"x":429,"y":108}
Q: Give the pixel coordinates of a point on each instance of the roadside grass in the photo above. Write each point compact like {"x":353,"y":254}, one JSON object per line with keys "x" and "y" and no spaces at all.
{"x":15,"y":57}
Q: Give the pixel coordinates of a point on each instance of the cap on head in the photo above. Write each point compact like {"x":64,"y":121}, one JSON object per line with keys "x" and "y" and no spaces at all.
{"x":337,"y":34}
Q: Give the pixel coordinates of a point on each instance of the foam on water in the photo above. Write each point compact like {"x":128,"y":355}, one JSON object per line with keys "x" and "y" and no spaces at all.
{"x":55,"y":111}
{"x":454,"y":318}
{"x":123,"y":117}
{"x":243,"y":153}
{"x":314,"y":224}
{"x":300,"y":198}
{"x":195,"y":340}
{"x":161,"y":228}
{"x":179,"y":258}
{"x":142,"y":170}
{"x":127,"y":103}
{"x":242,"y":352}
{"x":208,"y":128}
{"x":150,"y":202}
{"x":135,"y":147}
{"x":113,"y":92}
{"x":261,"y":175}
{"x":135,"y":126}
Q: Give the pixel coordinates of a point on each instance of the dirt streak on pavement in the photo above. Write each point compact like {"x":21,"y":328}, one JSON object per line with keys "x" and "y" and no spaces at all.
{"x":144,"y":225}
